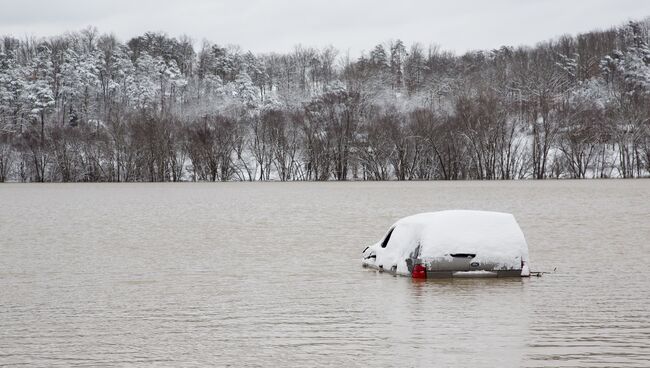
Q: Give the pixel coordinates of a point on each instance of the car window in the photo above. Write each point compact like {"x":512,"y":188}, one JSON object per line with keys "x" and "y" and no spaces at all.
{"x":384,"y":242}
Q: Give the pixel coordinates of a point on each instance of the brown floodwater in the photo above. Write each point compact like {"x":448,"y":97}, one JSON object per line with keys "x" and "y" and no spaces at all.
{"x":269,"y":274}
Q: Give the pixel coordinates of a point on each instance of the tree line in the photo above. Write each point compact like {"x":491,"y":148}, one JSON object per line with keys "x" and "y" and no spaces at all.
{"x":85,"y":107}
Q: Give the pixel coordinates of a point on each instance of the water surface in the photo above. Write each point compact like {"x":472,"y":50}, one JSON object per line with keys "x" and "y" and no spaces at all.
{"x":268,"y":274}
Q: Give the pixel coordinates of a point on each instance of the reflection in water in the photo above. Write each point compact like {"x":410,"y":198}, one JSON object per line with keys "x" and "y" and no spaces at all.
{"x":268,"y":274}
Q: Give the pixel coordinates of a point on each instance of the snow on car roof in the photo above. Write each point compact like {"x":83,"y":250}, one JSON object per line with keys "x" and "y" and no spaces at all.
{"x":493,"y":234}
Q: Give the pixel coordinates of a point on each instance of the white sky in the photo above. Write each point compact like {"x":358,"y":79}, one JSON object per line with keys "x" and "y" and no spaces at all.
{"x":354,"y":25}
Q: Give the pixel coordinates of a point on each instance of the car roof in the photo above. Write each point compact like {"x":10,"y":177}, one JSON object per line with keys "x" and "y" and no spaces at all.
{"x":463,"y":231}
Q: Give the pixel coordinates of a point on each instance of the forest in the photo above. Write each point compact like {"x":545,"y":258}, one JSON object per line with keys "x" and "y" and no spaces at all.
{"x":86,"y":107}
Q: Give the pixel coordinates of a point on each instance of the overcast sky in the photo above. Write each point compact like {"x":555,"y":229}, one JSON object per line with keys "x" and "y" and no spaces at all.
{"x":354,"y":25}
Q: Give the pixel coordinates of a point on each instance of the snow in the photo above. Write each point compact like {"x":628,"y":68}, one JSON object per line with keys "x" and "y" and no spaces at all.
{"x":475,"y":274}
{"x":494,"y":237}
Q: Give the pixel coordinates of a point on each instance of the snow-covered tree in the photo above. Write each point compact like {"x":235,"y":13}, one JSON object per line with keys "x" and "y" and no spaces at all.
{"x":86,"y":106}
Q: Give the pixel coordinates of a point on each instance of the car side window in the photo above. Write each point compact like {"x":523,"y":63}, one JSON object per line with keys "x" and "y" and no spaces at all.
{"x":384,"y":242}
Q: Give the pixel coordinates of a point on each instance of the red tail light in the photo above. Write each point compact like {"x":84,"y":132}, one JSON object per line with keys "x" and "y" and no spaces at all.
{"x":419,"y":272}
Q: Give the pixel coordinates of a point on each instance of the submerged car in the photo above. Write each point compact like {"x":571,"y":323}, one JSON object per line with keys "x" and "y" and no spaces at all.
{"x":455,"y":243}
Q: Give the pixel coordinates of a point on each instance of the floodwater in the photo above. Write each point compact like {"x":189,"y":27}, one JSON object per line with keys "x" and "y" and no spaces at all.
{"x":269,"y":275}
